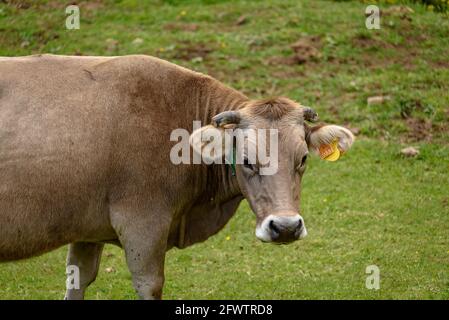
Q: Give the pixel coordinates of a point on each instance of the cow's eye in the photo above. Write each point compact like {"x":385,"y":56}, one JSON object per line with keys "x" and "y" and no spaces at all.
{"x":303,"y":161}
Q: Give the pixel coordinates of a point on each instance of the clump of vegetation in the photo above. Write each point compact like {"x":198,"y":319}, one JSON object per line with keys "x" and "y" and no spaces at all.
{"x":407,"y":107}
{"x":438,"y":5}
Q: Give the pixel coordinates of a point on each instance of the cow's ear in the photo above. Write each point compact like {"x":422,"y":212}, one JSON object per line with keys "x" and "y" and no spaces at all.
{"x":214,"y":142}
{"x":329,"y":141}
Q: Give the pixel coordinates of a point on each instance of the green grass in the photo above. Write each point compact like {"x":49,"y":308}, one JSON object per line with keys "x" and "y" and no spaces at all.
{"x":374,"y":207}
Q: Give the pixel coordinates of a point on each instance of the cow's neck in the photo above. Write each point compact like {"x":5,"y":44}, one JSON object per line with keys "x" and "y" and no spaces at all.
{"x":220,"y":185}
{"x":216,"y":192}
{"x":216,"y":201}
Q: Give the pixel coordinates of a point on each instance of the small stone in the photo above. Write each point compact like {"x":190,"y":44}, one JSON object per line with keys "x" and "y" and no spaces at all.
{"x":410,"y":152}
{"x":137,"y":41}
{"x":242,"y":20}
{"x":377,"y":100}
{"x":109,"y":269}
{"x":197,"y":60}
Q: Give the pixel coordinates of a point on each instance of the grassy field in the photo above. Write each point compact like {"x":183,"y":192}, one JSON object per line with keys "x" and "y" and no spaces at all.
{"x":374,"y":207}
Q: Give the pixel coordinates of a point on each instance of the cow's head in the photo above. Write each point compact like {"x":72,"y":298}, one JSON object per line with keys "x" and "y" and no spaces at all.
{"x":272,"y":187}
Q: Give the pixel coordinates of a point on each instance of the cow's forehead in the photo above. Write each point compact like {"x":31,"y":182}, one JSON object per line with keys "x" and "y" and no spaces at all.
{"x":288,"y":126}
{"x":290,"y":137}
{"x":274,"y":110}
{"x":281,"y":114}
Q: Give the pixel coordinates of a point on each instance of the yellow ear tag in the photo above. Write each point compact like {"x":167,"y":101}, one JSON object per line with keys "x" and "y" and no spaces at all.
{"x":330,"y":152}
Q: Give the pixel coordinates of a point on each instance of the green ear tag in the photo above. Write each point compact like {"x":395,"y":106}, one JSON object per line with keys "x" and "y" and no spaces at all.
{"x":233,"y":161}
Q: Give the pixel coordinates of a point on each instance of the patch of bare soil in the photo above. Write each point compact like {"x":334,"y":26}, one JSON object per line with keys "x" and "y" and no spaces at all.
{"x":304,"y":50}
{"x":286,"y":73}
{"x":405,"y":55}
{"x":19,"y":4}
{"x":441,"y":129}
{"x":444,"y":64}
{"x":307,"y":49}
{"x":419,"y":129}
{"x":173,"y":26}
{"x":402,"y":12}
{"x":92,"y":6}
{"x":367,"y":42}
{"x":242,"y":20}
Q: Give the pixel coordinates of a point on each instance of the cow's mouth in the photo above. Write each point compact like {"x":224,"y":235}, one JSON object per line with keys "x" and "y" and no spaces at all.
{"x":281,"y":229}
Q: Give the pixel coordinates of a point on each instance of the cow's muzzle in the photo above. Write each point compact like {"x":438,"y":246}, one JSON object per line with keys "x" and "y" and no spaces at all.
{"x":281,"y":228}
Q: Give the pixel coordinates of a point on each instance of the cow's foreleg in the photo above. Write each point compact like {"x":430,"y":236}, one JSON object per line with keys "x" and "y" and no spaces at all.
{"x":145,"y":260}
{"x":85,"y":258}
{"x":147,"y":269}
{"x":144,"y":238}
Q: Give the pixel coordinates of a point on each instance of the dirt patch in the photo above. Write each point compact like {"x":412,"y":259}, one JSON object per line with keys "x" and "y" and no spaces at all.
{"x":367,"y":42}
{"x":419,"y":129}
{"x":92,"y":5}
{"x":287,"y":73}
{"x":405,"y":55}
{"x":403,"y":12}
{"x":242,"y":20}
{"x":305,"y":50}
{"x":441,"y":129}
{"x":334,"y":110}
{"x":281,"y":60}
{"x":19,"y":4}
{"x":189,"y":27}
{"x":444,"y":64}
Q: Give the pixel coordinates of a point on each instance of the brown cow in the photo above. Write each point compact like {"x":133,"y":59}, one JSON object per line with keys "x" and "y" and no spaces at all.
{"x":85,"y":160}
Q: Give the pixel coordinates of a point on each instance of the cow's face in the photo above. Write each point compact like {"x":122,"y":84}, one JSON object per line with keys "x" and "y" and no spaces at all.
{"x":271,"y":179}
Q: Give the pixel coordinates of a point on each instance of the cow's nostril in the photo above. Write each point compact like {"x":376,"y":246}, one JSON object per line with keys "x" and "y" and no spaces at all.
{"x":274,"y":229}
{"x":299,"y":224}
{"x":273,"y":226}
